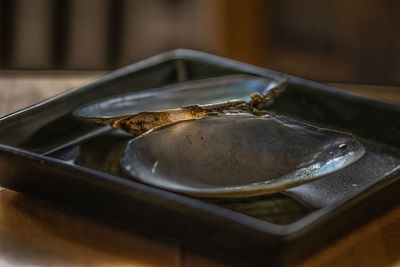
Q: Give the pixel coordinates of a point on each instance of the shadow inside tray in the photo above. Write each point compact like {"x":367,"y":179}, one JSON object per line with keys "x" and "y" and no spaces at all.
{"x":101,"y":152}
{"x":378,"y":162}
{"x":275,"y":208}
{"x":104,"y":151}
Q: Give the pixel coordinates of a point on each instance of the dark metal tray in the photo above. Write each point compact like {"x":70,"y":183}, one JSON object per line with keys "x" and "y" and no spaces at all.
{"x":48,"y":152}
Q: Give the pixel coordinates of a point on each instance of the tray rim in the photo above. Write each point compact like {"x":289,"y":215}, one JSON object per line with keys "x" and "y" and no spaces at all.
{"x":292,"y":230}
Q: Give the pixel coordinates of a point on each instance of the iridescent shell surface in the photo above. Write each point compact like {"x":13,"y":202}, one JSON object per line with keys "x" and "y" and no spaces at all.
{"x":202,"y":92}
{"x":235,"y":155}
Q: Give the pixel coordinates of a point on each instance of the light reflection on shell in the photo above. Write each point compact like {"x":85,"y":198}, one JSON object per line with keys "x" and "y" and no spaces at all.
{"x":140,"y":111}
{"x":236,"y":155}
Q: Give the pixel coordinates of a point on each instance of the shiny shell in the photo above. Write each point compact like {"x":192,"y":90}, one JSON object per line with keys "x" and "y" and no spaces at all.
{"x":140,"y":111}
{"x":235,"y":155}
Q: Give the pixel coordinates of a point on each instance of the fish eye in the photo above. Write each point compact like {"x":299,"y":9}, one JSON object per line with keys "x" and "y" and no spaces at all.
{"x":342,"y":146}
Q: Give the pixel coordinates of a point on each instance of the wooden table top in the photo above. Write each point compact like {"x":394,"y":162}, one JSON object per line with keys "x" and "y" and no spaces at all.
{"x":38,"y":232}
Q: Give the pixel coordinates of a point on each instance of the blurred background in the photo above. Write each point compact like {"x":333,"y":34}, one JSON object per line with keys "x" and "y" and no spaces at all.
{"x":343,"y":41}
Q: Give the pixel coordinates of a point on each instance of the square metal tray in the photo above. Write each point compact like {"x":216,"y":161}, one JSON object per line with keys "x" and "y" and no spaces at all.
{"x":40,"y":147}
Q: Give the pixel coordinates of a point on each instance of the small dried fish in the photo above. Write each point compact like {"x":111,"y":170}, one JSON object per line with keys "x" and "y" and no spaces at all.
{"x":139,"y":123}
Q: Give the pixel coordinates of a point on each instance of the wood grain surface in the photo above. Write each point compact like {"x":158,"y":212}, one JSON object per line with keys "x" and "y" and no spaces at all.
{"x":36,"y":232}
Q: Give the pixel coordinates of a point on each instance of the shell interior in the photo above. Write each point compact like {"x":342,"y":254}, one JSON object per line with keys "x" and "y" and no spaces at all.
{"x":236,"y":155}
{"x":203,"y":92}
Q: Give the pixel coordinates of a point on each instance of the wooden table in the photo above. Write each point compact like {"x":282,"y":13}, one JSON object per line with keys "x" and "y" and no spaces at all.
{"x":38,"y":232}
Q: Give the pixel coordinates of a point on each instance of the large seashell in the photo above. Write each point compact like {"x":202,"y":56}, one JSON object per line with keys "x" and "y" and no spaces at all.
{"x":139,"y":112}
{"x":236,"y":155}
